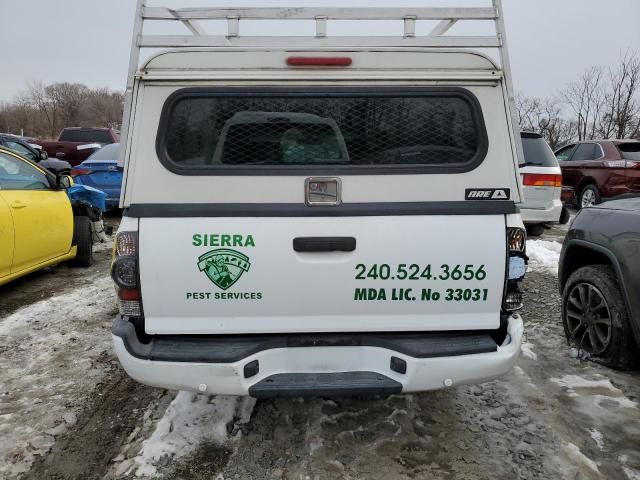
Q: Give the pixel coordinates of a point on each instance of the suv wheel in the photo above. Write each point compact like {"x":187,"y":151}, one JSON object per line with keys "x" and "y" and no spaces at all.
{"x":595,"y":316}
{"x":589,"y":196}
{"x":535,"y":230}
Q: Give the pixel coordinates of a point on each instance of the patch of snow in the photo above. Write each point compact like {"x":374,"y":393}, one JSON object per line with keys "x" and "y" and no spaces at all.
{"x":527,"y":351}
{"x":597,"y":437}
{"x":576,"y":382}
{"x":544,"y":255}
{"x":51,"y":356}
{"x":577,"y":456}
{"x":623,"y":402}
{"x":189,"y":421}
{"x":630,"y":473}
{"x":102,"y":246}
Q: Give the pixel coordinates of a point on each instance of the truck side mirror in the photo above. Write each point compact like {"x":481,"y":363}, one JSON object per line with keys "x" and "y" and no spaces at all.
{"x":43,"y":155}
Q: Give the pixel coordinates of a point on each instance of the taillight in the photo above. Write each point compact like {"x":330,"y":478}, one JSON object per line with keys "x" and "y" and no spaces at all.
{"x":80,"y":171}
{"x":517,"y":244}
{"x":319,"y":61}
{"x":125,"y":274}
{"x":542,"y":180}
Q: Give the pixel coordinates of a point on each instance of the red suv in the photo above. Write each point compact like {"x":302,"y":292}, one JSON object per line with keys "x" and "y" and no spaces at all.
{"x":597,"y":170}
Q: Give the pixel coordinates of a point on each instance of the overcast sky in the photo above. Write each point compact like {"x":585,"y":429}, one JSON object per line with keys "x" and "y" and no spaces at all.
{"x":88,"y":41}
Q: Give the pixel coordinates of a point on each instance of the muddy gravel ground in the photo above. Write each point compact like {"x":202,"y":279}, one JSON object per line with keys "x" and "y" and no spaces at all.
{"x":67,"y":410}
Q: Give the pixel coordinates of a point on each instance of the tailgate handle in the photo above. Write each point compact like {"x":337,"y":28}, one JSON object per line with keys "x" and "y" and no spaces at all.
{"x":324,"y":244}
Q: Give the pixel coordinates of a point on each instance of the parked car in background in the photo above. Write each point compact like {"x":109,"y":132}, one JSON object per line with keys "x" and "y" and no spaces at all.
{"x":599,"y":277}
{"x":101,"y":171}
{"x":542,"y":182}
{"x":596,"y":170}
{"x":21,"y":146}
{"x":37,"y":221}
{"x":75,"y":144}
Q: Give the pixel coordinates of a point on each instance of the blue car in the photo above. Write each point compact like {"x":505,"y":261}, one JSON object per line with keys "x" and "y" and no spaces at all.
{"x":101,"y":171}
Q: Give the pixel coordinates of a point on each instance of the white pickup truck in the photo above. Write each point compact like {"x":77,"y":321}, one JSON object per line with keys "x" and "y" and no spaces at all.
{"x":319,"y":215}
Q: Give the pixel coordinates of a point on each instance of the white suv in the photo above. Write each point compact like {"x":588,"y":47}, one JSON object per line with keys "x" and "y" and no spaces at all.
{"x":318,"y":220}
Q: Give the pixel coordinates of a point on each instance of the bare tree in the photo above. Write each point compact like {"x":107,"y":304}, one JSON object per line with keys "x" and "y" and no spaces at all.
{"x":585,"y":98}
{"x":47,"y":107}
{"x":69,"y":99}
{"x":44,"y":110}
{"x":104,"y":107}
{"x":621,"y":110}
{"x":544,"y":116}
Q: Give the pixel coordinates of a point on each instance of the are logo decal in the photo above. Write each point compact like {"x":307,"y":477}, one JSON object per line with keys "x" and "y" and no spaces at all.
{"x":224,"y":266}
{"x":487,"y":194}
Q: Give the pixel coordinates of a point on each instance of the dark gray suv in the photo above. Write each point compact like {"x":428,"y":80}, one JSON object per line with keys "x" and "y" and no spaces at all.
{"x":599,"y":277}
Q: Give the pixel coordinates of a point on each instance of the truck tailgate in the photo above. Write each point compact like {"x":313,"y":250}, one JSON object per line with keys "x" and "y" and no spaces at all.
{"x":327,"y":274}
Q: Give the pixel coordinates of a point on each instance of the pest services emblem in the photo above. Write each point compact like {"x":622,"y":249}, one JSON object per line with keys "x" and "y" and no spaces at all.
{"x":224,"y":266}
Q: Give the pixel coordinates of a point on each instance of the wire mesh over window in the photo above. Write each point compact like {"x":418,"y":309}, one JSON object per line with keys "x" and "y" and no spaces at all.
{"x":214,"y":130}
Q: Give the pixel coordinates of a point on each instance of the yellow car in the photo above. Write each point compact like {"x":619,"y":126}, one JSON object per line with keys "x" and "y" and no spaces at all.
{"x":37,"y":224}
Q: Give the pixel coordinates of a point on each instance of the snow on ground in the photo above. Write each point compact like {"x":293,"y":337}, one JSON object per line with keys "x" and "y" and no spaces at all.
{"x":597,"y":437}
{"x":577,"y":456}
{"x":576,"y":384}
{"x":527,"y":350}
{"x":544,"y":255}
{"x":50,"y":354}
{"x":190,"y":421}
{"x":631,"y":473}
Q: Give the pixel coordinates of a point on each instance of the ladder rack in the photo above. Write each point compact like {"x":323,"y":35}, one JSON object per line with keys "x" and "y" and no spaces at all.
{"x":197,"y":35}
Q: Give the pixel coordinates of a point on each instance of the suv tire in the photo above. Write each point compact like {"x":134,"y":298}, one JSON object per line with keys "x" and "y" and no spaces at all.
{"x":588,"y":197}
{"x":83,"y":239}
{"x":535,"y":230}
{"x":595,"y":317}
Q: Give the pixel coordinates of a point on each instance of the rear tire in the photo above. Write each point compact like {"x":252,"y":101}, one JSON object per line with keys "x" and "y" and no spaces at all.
{"x":83,"y":237}
{"x":595,"y":317}
{"x":535,"y":230}
{"x":589,"y":196}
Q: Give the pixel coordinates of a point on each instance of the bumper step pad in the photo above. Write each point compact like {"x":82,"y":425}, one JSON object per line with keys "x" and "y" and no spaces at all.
{"x":325,"y":384}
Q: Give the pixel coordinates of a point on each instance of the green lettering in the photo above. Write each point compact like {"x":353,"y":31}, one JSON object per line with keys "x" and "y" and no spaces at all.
{"x":249,"y":242}
{"x":361,"y":294}
{"x":237,"y":241}
{"x":225,"y":240}
{"x":197,"y":240}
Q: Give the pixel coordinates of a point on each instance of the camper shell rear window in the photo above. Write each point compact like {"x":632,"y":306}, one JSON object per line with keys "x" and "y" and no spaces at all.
{"x":275,"y":131}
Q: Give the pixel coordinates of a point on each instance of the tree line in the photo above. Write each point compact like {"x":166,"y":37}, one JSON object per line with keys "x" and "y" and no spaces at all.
{"x":599,"y":104}
{"x":42,"y":111}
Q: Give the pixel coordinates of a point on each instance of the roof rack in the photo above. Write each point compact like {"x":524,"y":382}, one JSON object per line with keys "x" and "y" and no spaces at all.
{"x":437,"y":38}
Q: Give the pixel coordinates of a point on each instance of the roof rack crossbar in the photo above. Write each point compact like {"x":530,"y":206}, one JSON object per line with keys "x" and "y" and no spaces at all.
{"x":310,"y":13}
{"x":321,"y":40}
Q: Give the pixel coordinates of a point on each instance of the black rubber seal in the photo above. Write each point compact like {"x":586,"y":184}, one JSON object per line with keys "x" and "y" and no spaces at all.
{"x":374,"y":209}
